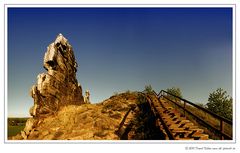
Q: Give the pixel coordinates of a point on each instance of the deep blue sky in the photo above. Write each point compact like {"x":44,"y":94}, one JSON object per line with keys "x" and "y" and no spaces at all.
{"x":121,"y":49}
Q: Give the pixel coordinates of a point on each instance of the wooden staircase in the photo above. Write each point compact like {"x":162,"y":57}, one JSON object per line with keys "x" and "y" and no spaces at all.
{"x":175,"y":125}
{"x":175,"y":121}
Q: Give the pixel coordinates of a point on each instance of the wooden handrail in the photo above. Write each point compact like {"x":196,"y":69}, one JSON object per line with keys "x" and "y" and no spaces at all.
{"x":199,"y":107}
{"x":168,"y":132}
{"x":124,"y":119}
{"x":221,"y":119}
{"x":204,"y":122}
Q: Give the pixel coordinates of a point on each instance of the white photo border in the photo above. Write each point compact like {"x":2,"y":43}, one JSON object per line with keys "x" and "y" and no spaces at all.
{"x":6,"y":6}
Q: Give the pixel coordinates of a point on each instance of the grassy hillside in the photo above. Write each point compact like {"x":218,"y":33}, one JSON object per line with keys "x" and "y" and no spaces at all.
{"x":15,"y":125}
{"x":14,"y":130}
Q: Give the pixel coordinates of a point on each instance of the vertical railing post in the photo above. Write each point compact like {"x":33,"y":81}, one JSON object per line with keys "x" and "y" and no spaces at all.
{"x":184,"y":106}
{"x":222,"y":129}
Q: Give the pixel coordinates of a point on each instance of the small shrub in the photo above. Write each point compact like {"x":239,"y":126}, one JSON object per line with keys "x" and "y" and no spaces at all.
{"x":148,"y":89}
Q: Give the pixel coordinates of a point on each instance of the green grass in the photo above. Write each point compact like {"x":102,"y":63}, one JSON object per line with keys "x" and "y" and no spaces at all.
{"x":16,"y":125}
{"x":14,"y":130}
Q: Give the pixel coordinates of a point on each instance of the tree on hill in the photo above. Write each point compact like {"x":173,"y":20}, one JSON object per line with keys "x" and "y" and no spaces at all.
{"x":220,"y":103}
{"x":174,"y":91}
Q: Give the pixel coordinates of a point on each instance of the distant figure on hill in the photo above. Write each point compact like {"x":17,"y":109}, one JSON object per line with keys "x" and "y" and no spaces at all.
{"x":87,"y":97}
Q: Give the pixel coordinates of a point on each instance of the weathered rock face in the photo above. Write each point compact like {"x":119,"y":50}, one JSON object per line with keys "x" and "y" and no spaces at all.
{"x":59,"y":86}
{"x":84,"y":122}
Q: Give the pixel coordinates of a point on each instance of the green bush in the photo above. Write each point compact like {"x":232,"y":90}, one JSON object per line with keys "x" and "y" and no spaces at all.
{"x":148,"y":89}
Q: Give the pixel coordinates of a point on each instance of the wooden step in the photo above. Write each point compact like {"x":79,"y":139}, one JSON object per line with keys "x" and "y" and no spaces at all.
{"x":184,"y":138}
{"x":200,"y":136}
{"x":175,"y":121}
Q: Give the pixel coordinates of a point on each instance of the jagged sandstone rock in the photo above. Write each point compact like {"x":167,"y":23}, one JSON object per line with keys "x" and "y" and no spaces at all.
{"x":59,"y":86}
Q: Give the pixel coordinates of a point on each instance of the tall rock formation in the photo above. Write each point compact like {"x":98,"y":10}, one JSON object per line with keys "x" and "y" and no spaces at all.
{"x":58,"y":86}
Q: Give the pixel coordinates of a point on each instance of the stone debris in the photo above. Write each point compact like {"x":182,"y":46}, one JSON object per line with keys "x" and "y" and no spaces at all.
{"x":30,"y":125}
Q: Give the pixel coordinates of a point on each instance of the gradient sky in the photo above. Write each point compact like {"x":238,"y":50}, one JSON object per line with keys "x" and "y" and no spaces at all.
{"x":121,"y":49}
